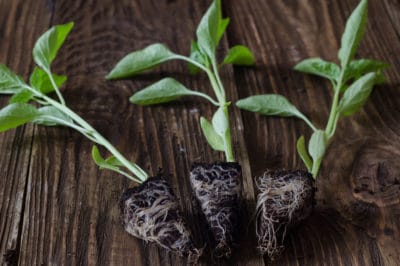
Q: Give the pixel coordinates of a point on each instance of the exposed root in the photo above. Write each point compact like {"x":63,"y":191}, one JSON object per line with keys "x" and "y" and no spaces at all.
{"x":150,"y":212}
{"x":217,"y":188}
{"x":285,"y":199}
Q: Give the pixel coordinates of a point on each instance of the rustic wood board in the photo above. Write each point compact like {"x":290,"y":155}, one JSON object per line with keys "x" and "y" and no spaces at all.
{"x":57,"y":208}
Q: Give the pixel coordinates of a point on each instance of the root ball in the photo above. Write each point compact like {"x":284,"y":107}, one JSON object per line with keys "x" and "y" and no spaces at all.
{"x":151,"y":212}
{"x":285,"y":199}
{"x":217,"y":187}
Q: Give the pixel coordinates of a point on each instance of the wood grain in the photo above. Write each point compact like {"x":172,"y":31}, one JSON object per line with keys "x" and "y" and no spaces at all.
{"x":57,"y":208}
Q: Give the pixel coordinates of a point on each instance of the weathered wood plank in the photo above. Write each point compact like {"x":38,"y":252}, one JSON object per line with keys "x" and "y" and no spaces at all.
{"x":57,"y":208}
{"x":356,"y":221}
{"x":17,"y":39}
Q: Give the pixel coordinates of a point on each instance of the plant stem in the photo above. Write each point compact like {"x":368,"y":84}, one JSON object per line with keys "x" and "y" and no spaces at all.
{"x":332,"y":121}
{"x":53,"y":83}
{"x":87,"y":130}
{"x":219,"y":91}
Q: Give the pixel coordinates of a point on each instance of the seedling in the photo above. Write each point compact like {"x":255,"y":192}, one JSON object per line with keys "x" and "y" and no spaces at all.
{"x":149,"y":211}
{"x":352,"y":84}
{"x":218,"y":197}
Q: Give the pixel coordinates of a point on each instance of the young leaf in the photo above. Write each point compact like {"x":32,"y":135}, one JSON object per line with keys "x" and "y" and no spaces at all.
{"x":21,"y":97}
{"x":51,"y":116}
{"x":223,"y":24}
{"x":209,"y":30}
{"x":302,"y":151}
{"x":197,"y":56}
{"x":10,"y":82}
{"x":319,"y":67}
{"x":239,"y":55}
{"x":16,"y":114}
{"x":139,"y":61}
{"x":47,"y":46}
{"x":99,"y":160}
{"x":215,"y":141}
{"x":357,"y":68}
{"x":357,"y":94}
{"x":269,"y":104}
{"x":354,"y":31}
{"x":165,"y":90}
{"x":317,"y":145}
{"x":220,"y":122}
{"x":112,"y":160}
{"x":41,"y":81}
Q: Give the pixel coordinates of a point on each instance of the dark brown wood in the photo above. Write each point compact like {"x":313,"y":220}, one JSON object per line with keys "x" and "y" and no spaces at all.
{"x":57,"y":208}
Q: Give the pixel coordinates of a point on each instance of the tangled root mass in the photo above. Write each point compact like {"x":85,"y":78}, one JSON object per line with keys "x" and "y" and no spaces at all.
{"x":217,"y":188}
{"x":150,"y":212}
{"x":285,"y":199}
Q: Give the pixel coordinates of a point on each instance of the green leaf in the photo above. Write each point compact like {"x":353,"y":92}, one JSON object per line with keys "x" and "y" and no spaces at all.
{"x":269,"y":104}
{"x":357,"y":94}
{"x":112,"y":160}
{"x":197,"y":56}
{"x":10,"y":82}
{"x":302,"y":151}
{"x":319,"y":67}
{"x":99,"y":160}
{"x":23,"y":96}
{"x":165,"y":90}
{"x":215,"y":140}
{"x":51,"y":116}
{"x":41,"y":81}
{"x":357,"y":68}
{"x":239,"y":55}
{"x":223,"y":24}
{"x":317,"y":145}
{"x":47,"y":46}
{"x":220,"y":121}
{"x":139,"y":61}
{"x":16,"y":114}
{"x":211,"y":29}
{"x":354,"y":31}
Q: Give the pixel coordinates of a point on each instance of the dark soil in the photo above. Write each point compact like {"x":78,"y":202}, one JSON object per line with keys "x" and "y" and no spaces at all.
{"x":286,"y":198}
{"x":217,"y":187}
{"x":150,"y":212}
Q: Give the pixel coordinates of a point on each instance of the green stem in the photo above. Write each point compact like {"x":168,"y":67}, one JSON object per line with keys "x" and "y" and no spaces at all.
{"x":53,"y":83}
{"x":205,"y":96}
{"x":227,"y":139}
{"x":219,"y":91}
{"x":95,"y":136}
{"x":315,"y":168}
{"x":308,"y":122}
{"x":332,"y":121}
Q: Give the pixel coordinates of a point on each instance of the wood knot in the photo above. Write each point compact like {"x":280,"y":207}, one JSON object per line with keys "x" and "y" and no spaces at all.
{"x":376,"y":174}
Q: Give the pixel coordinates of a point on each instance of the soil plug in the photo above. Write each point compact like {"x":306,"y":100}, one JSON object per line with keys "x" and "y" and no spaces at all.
{"x":217,"y":186}
{"x":286,"y":197}
{"x":149,"y":211}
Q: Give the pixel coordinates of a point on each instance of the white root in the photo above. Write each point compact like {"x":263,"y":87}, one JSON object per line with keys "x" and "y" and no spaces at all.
{"x":151,"y":212}
{"x":285,"y":199}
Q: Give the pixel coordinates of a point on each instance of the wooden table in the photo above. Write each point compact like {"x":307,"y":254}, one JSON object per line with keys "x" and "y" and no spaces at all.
{"x":57,"y":208}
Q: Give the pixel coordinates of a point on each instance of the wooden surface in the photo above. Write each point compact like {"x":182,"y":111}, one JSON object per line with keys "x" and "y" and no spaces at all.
{"x":57,"y":208}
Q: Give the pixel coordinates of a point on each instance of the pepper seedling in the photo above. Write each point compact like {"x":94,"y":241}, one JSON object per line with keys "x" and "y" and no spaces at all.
{"x":216,"y":185}
{"x":153,"y":201}
{"x":352,"y":84}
